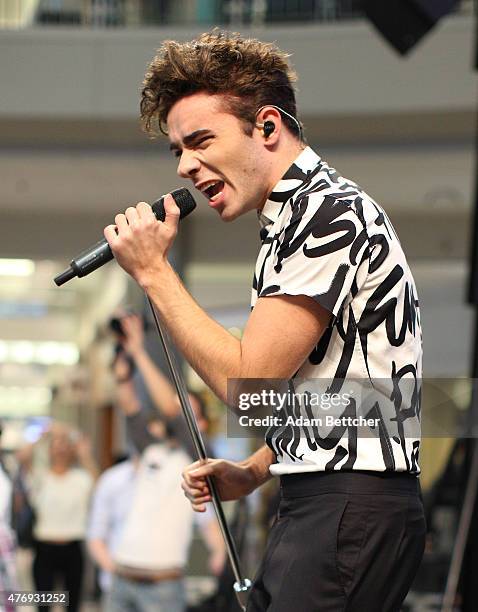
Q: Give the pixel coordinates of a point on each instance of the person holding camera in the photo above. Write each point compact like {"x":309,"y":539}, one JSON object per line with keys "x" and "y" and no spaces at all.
{"x":160,"y":390}
{"x":140,"y":524}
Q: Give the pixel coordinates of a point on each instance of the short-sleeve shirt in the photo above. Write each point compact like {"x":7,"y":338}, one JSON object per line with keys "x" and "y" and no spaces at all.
{"x":141,"y":513}
{"x":325,"y":238}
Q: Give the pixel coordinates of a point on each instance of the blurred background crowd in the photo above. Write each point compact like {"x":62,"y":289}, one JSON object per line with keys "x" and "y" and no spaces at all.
{"x":89,"y":417}
{"x":123,"y":537}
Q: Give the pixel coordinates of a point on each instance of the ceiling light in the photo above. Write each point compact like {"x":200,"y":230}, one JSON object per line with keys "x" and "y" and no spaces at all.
{"x":16,"y":267}
{"x":45,"y":353}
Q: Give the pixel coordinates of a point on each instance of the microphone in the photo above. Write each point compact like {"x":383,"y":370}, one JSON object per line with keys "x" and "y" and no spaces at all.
{"x":100,"y":253}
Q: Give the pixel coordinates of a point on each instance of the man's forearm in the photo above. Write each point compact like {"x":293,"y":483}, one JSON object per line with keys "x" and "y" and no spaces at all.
{"x":127,"y":399}
{"x":211,"y":350}
{"x":100,"y":554}
{"x":159,"y":388}
{"x":259,"y":464}
{"x":280,"y":333}
{"x":233,"y":480}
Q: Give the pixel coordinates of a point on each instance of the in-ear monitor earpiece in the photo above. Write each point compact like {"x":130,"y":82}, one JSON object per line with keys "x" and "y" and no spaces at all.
{"x":268,"y":130}
{"x":269,"y":127}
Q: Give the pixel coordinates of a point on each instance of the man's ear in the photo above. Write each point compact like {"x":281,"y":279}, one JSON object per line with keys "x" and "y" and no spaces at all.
{"x":269,"y":121}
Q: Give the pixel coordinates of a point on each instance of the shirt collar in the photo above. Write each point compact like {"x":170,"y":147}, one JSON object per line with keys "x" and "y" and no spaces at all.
{"x":292,"y":180}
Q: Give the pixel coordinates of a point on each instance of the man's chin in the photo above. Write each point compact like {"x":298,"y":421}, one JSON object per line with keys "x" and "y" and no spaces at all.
{"x":230,"y":213}
{"x":227,"y":215}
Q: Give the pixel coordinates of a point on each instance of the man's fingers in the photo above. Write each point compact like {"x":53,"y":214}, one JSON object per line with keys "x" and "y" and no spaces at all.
{"x":197,"y":497}
{"x":110,"y":233}
{"x":195,"y":485}
{"x":121,"y":222}
{"x":144,"y":210}
{"x":195,"y":491}
{"x":200,"y":499}
{"x":193,"y":467}
{"x":131,"y":215}
{"x":194,"y":482}
{"x":172,"y":212}
{"x":196,"y":464}
{"x":198,"y":507}
{"x":197,"y":476}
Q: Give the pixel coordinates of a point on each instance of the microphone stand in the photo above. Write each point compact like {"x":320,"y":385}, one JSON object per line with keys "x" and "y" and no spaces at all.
{"x":242,"y":585}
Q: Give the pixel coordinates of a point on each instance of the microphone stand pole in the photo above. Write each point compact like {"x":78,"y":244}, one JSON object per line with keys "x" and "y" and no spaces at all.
{"x":242,"y":585}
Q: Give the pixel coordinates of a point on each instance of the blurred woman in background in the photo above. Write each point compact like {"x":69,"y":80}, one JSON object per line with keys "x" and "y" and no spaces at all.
{"x":60,"y":497}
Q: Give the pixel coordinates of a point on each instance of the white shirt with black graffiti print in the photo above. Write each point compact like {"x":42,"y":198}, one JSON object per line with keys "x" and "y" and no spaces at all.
{"x":323,"y":237}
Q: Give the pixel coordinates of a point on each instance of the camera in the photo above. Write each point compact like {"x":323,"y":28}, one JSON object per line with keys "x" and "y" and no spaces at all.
{"x":116,"y":326}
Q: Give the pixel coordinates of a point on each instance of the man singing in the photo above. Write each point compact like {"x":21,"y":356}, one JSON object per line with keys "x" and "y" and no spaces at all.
{"x":333,"y":299}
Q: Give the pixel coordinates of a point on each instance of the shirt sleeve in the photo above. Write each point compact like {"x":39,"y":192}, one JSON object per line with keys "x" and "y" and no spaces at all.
{"x":318,"y":252}
{"x":99,"y":517}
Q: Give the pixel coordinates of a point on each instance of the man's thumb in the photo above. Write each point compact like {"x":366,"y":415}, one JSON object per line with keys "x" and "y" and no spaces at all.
{"x":172,"y":212}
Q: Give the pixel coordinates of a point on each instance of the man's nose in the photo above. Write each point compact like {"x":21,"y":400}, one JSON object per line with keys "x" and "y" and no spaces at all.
{"x":188,"y":164}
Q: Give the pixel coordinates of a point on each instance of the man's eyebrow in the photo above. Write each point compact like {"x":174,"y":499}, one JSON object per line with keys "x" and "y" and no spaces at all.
{"x":190,"y":138}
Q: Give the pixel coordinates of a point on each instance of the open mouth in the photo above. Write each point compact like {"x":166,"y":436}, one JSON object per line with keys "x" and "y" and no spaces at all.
{"x":213,"y":189}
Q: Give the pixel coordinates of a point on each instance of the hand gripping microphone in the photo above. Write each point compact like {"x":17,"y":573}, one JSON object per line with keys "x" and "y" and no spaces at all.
{"x":100,"y":253}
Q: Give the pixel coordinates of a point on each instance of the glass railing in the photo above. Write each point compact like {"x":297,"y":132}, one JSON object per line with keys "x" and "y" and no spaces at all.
{"x":17,"y":14}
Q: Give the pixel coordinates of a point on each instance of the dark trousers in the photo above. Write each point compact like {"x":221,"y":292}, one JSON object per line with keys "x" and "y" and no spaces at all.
{"x":62,"y":562}
{"x":342,"y":542}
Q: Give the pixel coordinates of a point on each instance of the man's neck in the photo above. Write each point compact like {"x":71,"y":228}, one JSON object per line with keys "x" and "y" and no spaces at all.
{"x":289,"y":151}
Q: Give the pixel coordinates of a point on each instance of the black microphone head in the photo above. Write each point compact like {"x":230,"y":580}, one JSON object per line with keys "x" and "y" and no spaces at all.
{"x":95,"y":256}
{"x":183,"y":199}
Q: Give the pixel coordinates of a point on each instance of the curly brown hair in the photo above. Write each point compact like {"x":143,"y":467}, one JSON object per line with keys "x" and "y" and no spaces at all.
{"x":249,"y":73}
